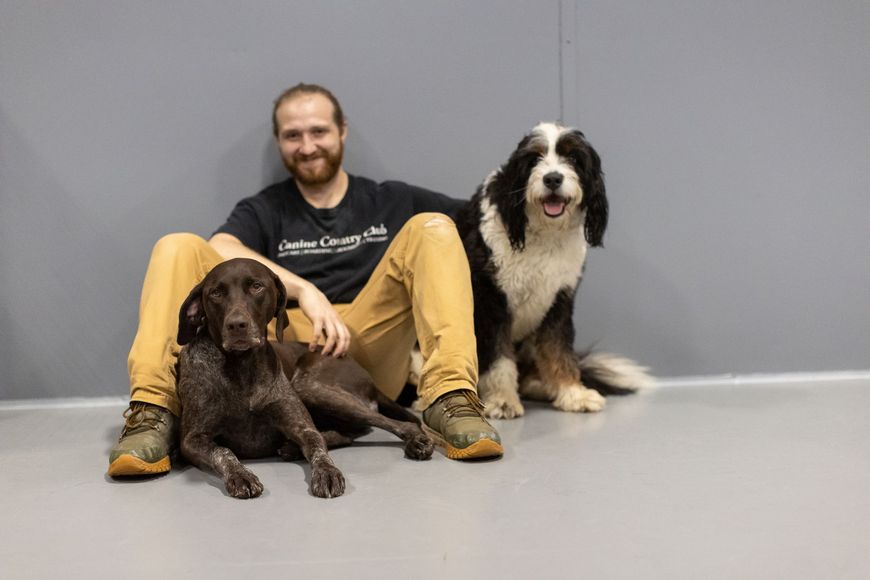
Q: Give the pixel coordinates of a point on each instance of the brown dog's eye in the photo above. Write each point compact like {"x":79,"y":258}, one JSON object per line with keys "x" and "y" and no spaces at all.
{"x":216,"y":293}
{"x":257,"y":286}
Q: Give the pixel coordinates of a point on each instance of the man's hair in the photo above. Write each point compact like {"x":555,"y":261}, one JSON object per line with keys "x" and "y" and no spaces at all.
{"x":307,"y":89}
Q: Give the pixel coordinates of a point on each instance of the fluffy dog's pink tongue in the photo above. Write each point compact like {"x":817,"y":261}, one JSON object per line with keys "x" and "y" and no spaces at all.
{"x":554,"y":206}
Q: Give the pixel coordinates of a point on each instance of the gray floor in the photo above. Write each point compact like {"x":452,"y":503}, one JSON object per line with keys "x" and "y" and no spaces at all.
{"x":679,"y":482}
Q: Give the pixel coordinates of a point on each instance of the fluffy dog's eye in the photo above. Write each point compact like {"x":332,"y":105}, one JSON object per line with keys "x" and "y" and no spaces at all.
{"x":216,"y":293}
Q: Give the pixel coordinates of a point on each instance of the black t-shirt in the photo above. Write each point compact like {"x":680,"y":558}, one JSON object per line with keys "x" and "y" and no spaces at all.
{"x":336,"y":249}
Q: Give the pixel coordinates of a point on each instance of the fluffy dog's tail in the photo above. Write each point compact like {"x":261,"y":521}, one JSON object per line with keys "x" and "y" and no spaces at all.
{"x":612,"y":374}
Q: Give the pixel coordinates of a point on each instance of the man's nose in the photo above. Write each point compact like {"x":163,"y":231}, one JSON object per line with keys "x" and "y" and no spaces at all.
{"x":307,"y":146}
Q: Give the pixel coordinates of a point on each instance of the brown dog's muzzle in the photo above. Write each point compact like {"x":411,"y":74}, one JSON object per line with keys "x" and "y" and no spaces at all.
{"x":240,"y":331}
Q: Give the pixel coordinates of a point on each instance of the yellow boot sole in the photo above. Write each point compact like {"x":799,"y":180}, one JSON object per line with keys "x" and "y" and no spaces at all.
{"x":127,"y":465}
{"x":483,"y":449}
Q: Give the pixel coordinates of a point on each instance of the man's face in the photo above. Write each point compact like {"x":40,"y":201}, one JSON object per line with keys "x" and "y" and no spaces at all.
{"x":311,"y":144}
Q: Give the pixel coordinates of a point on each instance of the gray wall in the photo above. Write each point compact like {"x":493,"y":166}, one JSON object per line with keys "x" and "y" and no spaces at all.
{"x":735,"y":141}
{"x":736,"y":137}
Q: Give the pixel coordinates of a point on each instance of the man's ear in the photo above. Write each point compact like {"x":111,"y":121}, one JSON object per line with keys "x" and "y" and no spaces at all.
{"x":282,"y":321}
{"x":191,"y":316}
{"x":342,"y":131}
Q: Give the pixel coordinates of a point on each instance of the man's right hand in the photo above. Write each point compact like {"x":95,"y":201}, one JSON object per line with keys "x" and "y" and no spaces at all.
{"x":325,"y":320}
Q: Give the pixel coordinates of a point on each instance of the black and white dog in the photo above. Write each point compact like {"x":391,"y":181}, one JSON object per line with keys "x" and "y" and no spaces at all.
{"x":526,"y":232}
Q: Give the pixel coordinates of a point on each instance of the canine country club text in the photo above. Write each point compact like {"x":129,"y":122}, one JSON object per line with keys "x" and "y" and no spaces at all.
{"x":330,"y":245}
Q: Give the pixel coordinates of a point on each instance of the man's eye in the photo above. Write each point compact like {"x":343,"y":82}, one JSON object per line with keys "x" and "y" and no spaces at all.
{"x":291,"y":136}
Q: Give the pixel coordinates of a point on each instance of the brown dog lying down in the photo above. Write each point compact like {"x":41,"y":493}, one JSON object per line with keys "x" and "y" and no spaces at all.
{"x":237,"y":399}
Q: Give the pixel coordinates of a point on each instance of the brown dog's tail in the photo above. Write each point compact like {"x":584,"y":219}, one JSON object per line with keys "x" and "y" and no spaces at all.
{"x":612,"y":374}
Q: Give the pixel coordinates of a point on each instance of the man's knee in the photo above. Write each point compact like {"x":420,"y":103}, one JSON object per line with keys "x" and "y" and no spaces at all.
{"x":171,"y":246}
{"x":431,"y":219}
{"x":432,"y":223}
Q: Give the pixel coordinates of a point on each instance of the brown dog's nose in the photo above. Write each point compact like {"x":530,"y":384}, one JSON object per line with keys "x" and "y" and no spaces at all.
{"x":236,"y":323}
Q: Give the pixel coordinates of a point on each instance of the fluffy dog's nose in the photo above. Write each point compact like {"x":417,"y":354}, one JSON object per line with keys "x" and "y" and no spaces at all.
{"x":553,"y":180}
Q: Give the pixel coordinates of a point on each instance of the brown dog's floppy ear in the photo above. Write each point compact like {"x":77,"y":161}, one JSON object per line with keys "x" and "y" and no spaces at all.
{"x":191,"y":316}
{"x":282,"y":321}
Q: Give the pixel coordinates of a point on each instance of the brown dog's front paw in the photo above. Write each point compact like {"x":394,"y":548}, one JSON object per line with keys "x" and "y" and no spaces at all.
{"x":243,"y":485}
{"x":326,"y":481}
{"x":419,"y":447}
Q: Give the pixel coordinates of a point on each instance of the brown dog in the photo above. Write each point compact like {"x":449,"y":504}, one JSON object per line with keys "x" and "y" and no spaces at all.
{"x":237,"y":399}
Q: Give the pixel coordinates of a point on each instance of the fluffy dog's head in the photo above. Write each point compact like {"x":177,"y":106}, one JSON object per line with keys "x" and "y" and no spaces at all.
{"x":555,"y":175}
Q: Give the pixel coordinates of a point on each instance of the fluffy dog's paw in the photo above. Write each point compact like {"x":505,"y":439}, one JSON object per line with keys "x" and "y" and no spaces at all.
{"x":243,"y":484}
{"x":503,"y":407}
{"x":326,"y":481}
{"x":579,"y":399}
{"x":498,"y":390}
{"x":419,"y":447}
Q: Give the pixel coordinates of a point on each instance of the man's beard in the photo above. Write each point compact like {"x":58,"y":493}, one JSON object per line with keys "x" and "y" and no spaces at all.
{"x":316,"y":176}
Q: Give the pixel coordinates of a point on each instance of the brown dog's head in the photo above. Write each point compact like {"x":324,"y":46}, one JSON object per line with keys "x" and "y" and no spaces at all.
{"x":236,"y":301}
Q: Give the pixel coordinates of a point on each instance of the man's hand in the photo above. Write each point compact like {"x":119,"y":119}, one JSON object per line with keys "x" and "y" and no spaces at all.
{"x":328,"y":325}
{"x":326,"y":322}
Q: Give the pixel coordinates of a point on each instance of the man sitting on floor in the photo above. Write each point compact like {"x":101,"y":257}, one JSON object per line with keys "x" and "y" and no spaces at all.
{"x":373,"y":267}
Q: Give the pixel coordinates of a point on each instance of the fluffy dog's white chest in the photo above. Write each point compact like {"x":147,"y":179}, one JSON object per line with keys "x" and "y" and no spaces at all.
{"x":551,"y":261}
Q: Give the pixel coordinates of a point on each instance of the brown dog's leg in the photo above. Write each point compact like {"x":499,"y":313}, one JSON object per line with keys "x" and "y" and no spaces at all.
{"x":394,"y":410}
{"x":201,"y":450}
{"x":328,"y":398}
{"x":326,"y":479}
{"x":291,"y":417}
{"x":290,"y":451}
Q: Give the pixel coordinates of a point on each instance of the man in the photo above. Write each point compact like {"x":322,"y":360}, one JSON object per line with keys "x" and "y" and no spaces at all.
{"x":371,"y":269}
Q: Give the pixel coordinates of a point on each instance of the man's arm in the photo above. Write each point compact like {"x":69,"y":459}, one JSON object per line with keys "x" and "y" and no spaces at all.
{"x":424,"y":200}
{"x":326,"y":322}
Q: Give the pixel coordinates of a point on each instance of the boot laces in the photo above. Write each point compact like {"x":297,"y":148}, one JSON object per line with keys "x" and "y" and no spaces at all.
{"x":464,"y":404}
{"x":140,"y":414}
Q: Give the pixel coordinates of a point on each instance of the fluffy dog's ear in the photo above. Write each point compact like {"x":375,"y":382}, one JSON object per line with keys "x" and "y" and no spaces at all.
{"x":594,"y":197}
{"x":282,"y":321}
{"x":507,"y":190}
{"x":191,"y":316}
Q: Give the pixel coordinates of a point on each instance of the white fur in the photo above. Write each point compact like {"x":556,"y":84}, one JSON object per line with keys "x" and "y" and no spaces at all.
{"x":615,"y":370}
{"x":416,"y":370}
{"x":550,"y":262}
{"x":548,"y":134}
{"x":618,"y":371}
{"x":577,"y":398}
{"x":498,"y":387}
{"x":555,"y":248}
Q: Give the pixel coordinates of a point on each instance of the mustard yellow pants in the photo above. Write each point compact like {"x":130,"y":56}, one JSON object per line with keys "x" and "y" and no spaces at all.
{"x":420,"y":291}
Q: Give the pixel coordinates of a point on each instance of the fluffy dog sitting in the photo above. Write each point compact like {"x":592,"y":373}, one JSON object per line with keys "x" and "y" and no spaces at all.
{"x":526,"y":232}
